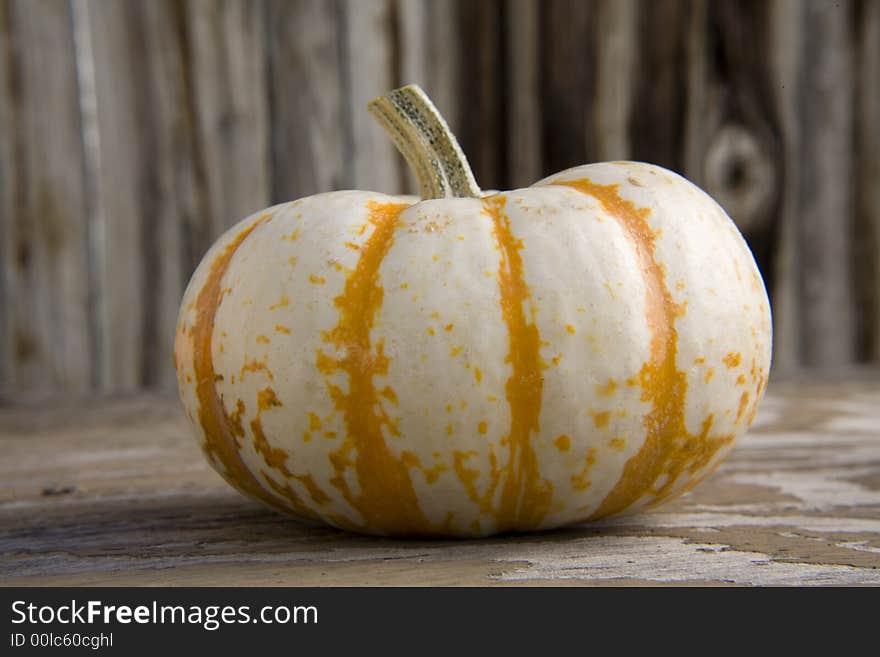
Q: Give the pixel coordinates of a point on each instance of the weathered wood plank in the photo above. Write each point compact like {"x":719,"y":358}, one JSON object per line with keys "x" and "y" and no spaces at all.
{"x":814,"y":63}
{"x":568,"y":83}
{"x":732,"y":145}
{"x":480,"y":125}
{"x":826,"y":210}
{"x":226,"y":48}
{"x":866,"y":258}
{"x":151,"y":189}
{"x":659,"y":96}
{"x":523,"y":128}
{"x":369,"y":72}
{"x":616,"y":54}
{"x":307,"y":112}
{"x":43,"y":208}
{"x":786,"y":19}
{"x":8,"y":81}
{"x":88,"y":107}
{"x":118,"y":166}
{"x":117,"y":493}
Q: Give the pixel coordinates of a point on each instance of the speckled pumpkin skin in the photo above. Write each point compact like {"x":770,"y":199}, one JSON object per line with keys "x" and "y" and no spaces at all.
{"x":588,"y":346}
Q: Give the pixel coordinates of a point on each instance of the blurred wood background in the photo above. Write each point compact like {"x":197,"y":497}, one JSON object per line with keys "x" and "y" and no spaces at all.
{"x":132,"y":133}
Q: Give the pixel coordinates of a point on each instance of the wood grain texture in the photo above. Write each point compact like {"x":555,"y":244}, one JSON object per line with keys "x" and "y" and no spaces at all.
{"x":306,"y":98}
{"x":369,"y":73}
{"x":117,"y":493}
{"x":133,"y":133}
{"x":786,"y":17}
{"x":825,"y":211}
{"x":44,"y":238}
{"x":119,"y":170}
{"x":227,"y":73}
{"x":733,"y":134}
{"x":481,"y":82}
{"x":660,"y":86}
{"x":523,"y":93}
{"x":568,"y":81}
{"x":814,"y":68}
{"x":151,"y":186}
{"x":866,"y":260}
{"x":615,"y":62}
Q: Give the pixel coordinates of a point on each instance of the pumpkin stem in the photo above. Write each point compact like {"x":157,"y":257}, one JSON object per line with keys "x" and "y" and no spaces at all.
{"x":423,"y":137}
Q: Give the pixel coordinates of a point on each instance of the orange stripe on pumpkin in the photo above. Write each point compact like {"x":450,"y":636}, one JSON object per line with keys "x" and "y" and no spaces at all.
{"x":669,"y":449}
{"x":222,"y":431}
{"x":525,"y":496}
{"x":385,"y":497}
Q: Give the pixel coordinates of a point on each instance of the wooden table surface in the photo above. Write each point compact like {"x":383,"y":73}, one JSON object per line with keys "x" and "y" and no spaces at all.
{"x":117,"y":493}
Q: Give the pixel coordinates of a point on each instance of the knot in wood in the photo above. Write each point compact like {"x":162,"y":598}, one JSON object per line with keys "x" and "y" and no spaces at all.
{"x":739,"y":174}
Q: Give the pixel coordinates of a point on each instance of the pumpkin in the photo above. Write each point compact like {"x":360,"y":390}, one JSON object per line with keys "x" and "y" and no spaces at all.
{"x":473,"y":363}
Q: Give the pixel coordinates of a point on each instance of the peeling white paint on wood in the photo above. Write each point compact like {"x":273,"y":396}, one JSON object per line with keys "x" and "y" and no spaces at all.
{"x":117,"y":493}
{"x":836,"y":524}
{"x":669,"y":560}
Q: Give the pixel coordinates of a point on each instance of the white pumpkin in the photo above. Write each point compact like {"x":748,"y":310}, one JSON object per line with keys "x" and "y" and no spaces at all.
{"x":473,"y":364}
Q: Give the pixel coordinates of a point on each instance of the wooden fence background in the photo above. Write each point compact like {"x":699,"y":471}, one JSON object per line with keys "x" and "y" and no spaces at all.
{"x":133,"y":132}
